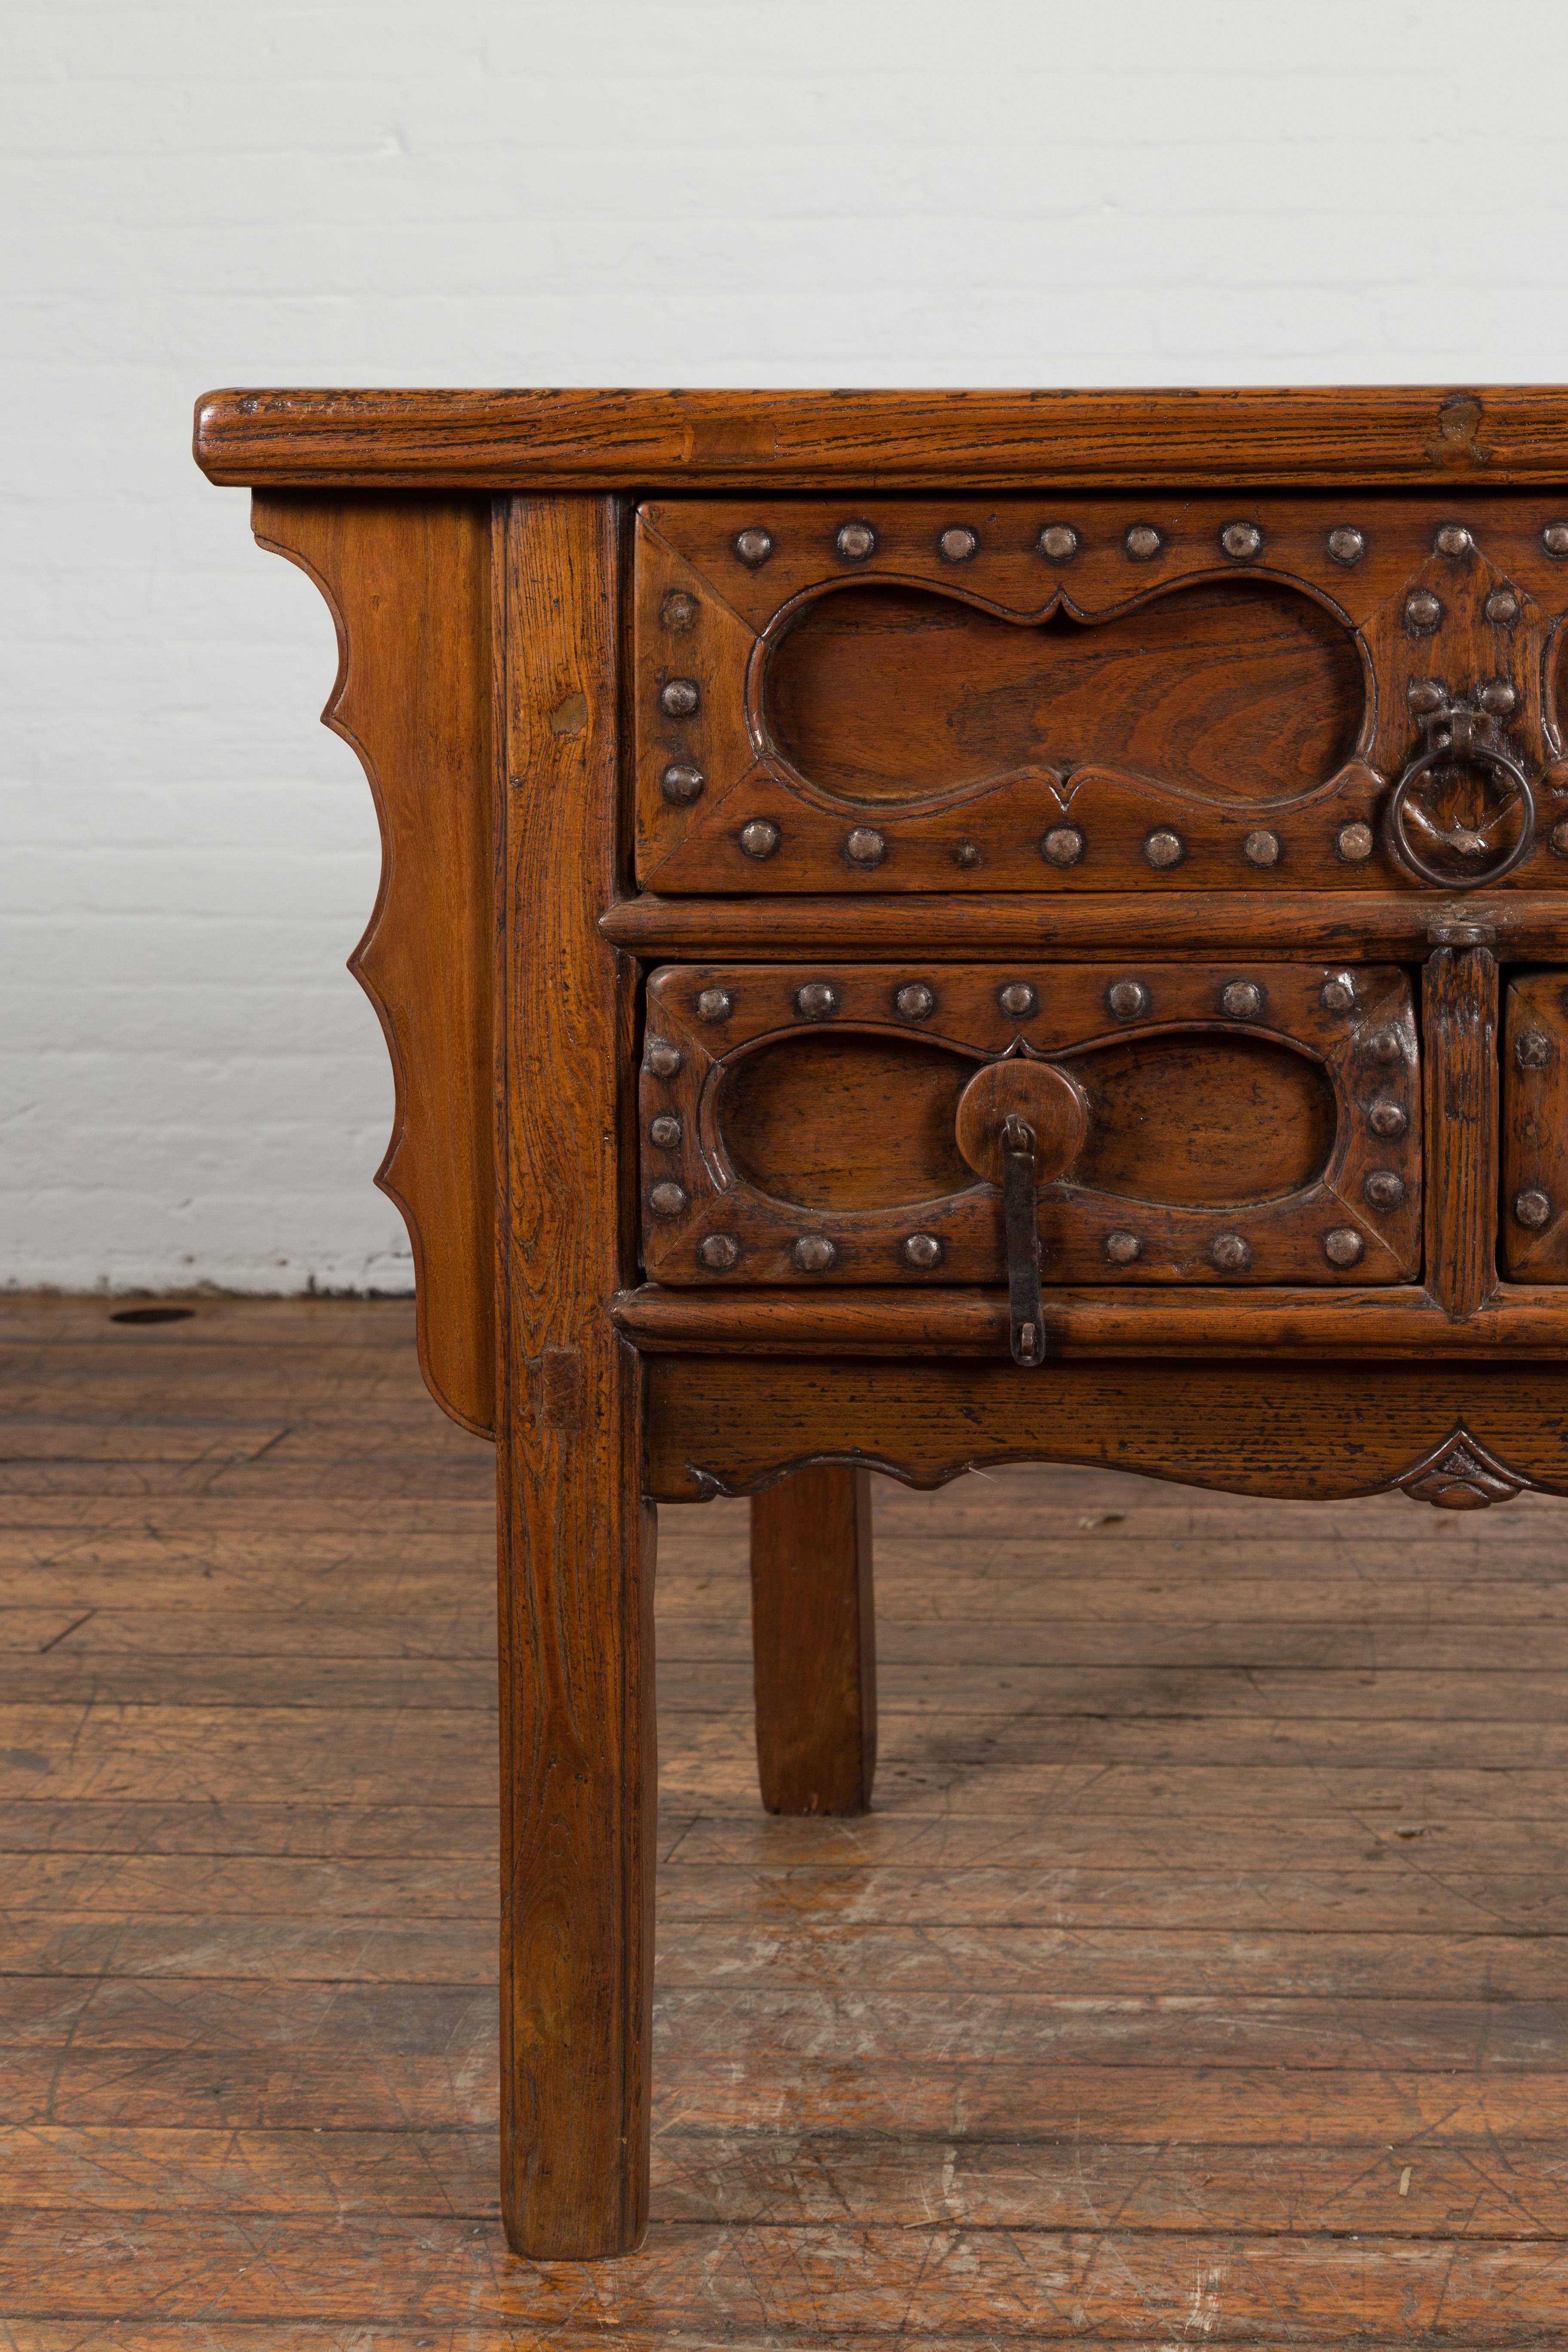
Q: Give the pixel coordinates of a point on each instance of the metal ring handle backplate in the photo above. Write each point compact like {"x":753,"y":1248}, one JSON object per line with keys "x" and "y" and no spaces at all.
{"x":1446,"y":753}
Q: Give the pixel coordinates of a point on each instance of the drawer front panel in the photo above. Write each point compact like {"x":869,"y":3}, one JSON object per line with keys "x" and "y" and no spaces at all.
{"x":1095,"y":694}
{"x":1195,"y":1123}
{"x":1535,"y":1127}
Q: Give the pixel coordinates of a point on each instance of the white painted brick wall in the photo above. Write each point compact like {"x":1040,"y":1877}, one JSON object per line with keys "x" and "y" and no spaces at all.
{"x":202,"y":192}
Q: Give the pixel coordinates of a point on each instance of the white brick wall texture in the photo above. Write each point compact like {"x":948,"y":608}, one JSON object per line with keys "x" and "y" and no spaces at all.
{"x":729,"y":192}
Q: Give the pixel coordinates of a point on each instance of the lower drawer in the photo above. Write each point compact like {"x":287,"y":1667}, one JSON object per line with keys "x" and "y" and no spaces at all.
{"x":1191,"y":1123}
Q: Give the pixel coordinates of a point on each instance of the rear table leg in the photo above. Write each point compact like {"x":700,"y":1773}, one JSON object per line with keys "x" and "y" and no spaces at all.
{"x":814,"y":1642}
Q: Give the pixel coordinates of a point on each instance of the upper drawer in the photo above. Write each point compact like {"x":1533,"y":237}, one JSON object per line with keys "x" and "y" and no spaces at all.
{"x":1099,"y":694}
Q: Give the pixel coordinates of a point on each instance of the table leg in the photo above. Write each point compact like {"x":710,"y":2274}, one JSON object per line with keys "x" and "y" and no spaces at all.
{"x":814,"y":1642}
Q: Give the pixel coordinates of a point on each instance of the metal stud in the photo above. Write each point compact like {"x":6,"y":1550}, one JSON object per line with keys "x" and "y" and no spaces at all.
{"x":1337,"y":993}
{"x":760,"y":838}
{"x":679,"y":698}
{"x":1533,"y":1209}
{"x":856,"y":541}
{"x":1387,"y":1119}
{"x":1127,"y":999}
{"x":682,"y":784}
{"x":1164,"y":847}
{"x":1346,"y":544}
{"x":1502,"y":606}
{"x":754,"y":546}
{"x":865,"y":846}
{"x":1554,"y":539}
{"x":1452,"y":539}
{"x":813,"y":1254}
{"x":1423,"y":610}
{"x":1385,"y":1046}
{"x":815,"y":1001}
{"x":1426,"y":695}
{"x":1261,"y":848}
{"x":957,"y":543}
{"x":915,"y":1002}
{"x":1230,"y":1253}
{"x":715,"y":1005}
{"x":1243,"y":1000}
{"x":1557,"y":839}
{"x":967,"y":854}
{"x":1344,"y":1246}
{"x":1142,"y":542}
{"x":719,"y":1253}
{"x":678,"y":610}
{"x":1499,"y":697}
{"x":922,"y":1250}
{"x":1353,"y":842}
{"x":667,"y":1200}
{"x":1059,"y":542}
{"x":665,"y":1130}
{"x":1384,"y":1188}
{"x":1018,"y":999}
{"x":661,"y":1059}
{"x":1241,"y":540}
{"x":1532,"y":1049}
{"x":1063,"y":845}
{"x":1121,"y":1249}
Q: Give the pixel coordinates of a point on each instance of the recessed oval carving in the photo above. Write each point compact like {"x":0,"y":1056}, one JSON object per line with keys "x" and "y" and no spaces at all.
{"x":847,"y":1122}
{"x":1243,"y":689}
{"x":1196,"y":1121}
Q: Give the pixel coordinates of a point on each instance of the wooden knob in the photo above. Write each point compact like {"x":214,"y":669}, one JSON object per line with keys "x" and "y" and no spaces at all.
{"x":1037,"y":1093}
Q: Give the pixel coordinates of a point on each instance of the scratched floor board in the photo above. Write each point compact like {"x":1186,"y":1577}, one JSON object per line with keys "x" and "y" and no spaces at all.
{"x":1202,"y":1975}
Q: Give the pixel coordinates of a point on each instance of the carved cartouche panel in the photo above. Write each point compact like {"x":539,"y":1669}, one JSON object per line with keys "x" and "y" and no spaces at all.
{"x":1136,"y":692}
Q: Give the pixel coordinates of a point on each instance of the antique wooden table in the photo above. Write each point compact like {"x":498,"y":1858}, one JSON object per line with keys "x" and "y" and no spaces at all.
{"x":921,"y":929}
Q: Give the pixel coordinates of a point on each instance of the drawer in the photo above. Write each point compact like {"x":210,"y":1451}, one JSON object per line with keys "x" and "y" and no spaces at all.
{"x":1535,"y":1127}
{"x":1077,"y":694}
{"x":1191,"y":1123}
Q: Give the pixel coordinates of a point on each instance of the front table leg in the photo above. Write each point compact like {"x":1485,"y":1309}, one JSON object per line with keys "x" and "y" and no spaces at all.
{"x":578,"y":1792}
{"x":814,"y":1642}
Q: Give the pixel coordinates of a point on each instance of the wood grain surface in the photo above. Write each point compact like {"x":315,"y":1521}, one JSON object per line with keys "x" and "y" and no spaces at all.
{"x":1198,"y":1976}
{"x":576,"y":1540}
{"x":408,"y":585}
{"x":1459,"y":1030}
{"x":814,"y":1643}
{"x":549,"y":438}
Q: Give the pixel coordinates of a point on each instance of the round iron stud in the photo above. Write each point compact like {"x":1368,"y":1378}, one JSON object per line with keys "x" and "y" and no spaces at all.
{"x":966,"y":854}
{"x":1059,"y":542}
{"x":1502,"y":607}
{"x":915,"y":1002}
{"x":1346,"y":544}
{"x":1452,"y":539}
{"x":760,"y":838}
{"x":661,"y":1059}
{"x":1164,"y":847}
{"x":1344,"y":1246}
{"x":1353,"y":843}
{"x":1554,"y":539}
{"x":1017,"y":999}
{"x":1384,"y":1188}
{"x":1337,"y":993}
{"x":1423,"y":610}
{"x":665,"y":1130}
{"x":1426,"y":695}
{"x":1385,"y":1046}
{"x":682,"y":784}
{"x":715,"y":1005}
{"x":1387,"y":1119}
{"x":1499,"y":697}
{"x":1142,"y":542}
{"x":856,"y":541}
{"x":666,"y":1200}
{"x":1243,"y":1000}
{"x":957,"y":543}
{"x":1230,"y":1253}
{"x":815,"y":1001}
{"x":679,"y":698}
{"x":813,"y":1254}
{"x":1261,"y":848}
{"x":1557,"y":839}
{"x":865,"y":846}
{"x":1063,"y":845}
{"x":1122,"y":1249}
{"x":1127,"y":999}
{"x":1532,"y":1049}
{"x":922,"y":1251}
{"x":754,"y":546}
{"x":678,"y":610}
{"x":719,"y":1253}
{"x":1532,"y":1208}
{"x":1241,"y":540}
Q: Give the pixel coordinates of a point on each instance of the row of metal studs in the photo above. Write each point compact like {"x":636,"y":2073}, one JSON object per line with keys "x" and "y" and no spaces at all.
{"x":1059,"y":542}
{"x":916,"y":1000}
{"x":1229,"y":1253}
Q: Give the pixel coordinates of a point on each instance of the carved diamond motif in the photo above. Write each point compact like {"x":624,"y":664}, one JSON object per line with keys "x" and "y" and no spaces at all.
{"x":1459,"y":1474}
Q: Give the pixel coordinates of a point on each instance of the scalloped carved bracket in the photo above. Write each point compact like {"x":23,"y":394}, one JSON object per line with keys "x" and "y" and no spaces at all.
{"x":408,"y":585}
{"x":1459,"y":1474}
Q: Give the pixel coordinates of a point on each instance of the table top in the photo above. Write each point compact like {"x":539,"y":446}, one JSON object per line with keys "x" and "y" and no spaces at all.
{"x":564,"y":438}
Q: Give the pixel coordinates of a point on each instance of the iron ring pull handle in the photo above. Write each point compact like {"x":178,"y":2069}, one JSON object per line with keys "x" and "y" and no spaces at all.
{"x":1026,"y":1317}
{"x":1460,"y":745}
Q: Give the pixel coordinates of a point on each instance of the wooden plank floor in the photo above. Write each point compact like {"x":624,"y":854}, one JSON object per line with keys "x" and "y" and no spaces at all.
{"x":1198,"y":1979}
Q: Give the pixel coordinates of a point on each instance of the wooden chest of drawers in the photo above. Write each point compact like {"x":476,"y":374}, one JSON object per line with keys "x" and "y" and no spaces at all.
{"x":923,"y":930}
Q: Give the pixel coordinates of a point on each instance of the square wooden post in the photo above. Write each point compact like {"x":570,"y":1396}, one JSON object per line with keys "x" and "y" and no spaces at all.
{"x":814,"y":1648}
{"x":578,"y":1793}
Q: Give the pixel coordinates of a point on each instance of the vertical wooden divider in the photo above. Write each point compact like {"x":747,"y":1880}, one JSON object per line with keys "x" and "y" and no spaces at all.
{"x":1459,"y":1032}
{"x":578,"y":1795}
{"x":814,"y":1643}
